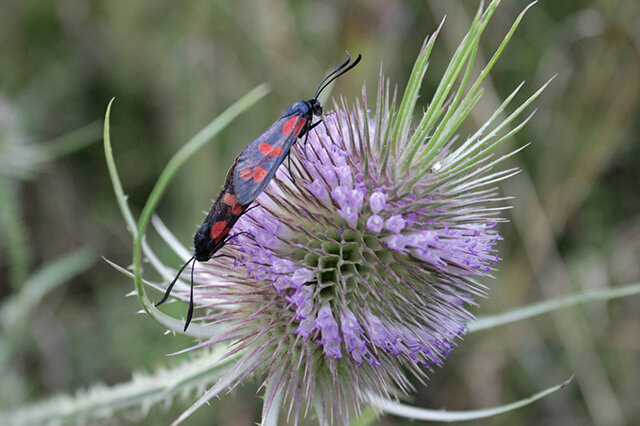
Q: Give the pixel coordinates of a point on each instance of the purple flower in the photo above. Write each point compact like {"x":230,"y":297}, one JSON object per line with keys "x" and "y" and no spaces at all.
{"x":353,"y":338}
{"x":301,"y":300}
{"x":282,"y":266}
{"x":396,"y":242}
{"x":301,"y":276}
{"x":330,"y":334}
{"x":375,"y":223}
{"x":377,"y":202}
{"x":395,"y":223}
{"x":345,"y":176}
{"x":339,"y":194}
{"x":318,"y":189}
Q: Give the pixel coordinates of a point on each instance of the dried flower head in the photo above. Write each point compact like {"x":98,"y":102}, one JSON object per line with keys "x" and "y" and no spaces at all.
{"x":358,"y":266}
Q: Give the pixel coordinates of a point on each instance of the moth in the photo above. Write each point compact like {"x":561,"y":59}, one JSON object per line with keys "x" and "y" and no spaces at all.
{"x":252,"y":170}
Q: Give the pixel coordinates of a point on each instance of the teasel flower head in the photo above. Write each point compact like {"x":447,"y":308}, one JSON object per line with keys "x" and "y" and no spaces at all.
{"x":358,"y":266}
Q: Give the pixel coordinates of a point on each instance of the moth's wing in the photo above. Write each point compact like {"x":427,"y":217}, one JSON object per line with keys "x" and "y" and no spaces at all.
{"x":257,"y":163}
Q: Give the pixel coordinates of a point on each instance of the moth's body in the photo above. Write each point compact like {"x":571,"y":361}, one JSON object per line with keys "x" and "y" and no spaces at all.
{"x":211,"y":236}
{"x":251,"y":172}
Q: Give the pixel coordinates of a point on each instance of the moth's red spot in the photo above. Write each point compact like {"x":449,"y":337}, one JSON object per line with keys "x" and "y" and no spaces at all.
{"x":230,"y":200}
{"x":246,"y":174}
{"x":288,"y":125}
{"x":269,"y":150}
{"x":259,"y":174}
{"x":218,"y":230}
{"x":224,"y":232}
{"x":299,"y":126}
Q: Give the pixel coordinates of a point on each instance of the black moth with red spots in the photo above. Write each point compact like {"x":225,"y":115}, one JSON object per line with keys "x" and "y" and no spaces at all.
{"x":251,"y":172}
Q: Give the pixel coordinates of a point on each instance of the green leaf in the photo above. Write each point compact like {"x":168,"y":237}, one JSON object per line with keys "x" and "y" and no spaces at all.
{"x":195,"y":330}
{"x":415,"y":413}
{"x":475,"y":149}
{"x":121,"y":198}
{"x":411,"y":93}
{"x":551,"y":305}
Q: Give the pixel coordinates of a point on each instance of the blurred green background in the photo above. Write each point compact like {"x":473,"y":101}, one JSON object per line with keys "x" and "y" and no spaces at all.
{"x":173,"y":66}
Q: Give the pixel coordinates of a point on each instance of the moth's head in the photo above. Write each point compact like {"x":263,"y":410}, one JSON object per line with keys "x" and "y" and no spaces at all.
{"x":315,"y":106}
{"x":204,"y":246}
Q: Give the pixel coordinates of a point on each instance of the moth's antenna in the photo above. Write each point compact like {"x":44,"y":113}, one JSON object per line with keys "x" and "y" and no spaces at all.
{"x":175,"y":280}
{"x":190,"y":313}
{"x":340,"y":72}
{"x":332,"y":73}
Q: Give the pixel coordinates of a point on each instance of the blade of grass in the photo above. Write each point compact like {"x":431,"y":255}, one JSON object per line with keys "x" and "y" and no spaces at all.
{"x":70,"y":142}
{"x":17,"y":309}
{"x":14,"y":235}
{"x":552,"y":305}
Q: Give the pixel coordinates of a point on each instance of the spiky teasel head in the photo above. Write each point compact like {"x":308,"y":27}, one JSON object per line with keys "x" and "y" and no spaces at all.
{"x":361,"y":274}
{"x":357,"y":268}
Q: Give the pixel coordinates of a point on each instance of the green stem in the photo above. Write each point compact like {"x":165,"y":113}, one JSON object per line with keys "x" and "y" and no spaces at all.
{"x":15,"y":234}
